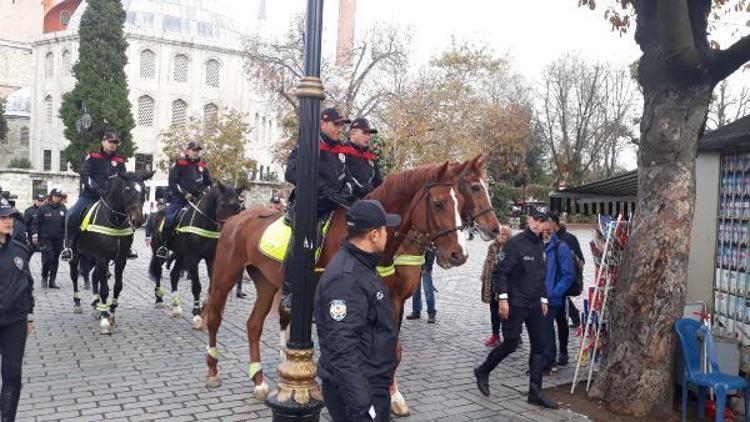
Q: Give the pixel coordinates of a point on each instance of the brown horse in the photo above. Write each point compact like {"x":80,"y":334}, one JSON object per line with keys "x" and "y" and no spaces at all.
{"x":477,"y":209}
{"x":425,"y":198}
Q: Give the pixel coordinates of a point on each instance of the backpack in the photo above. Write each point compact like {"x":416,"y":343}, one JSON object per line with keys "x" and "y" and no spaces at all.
{"x":576,"y":288}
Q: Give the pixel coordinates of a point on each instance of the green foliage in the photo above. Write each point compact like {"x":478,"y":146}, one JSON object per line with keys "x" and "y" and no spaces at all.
{"x":101,"y":83}
{"x":20,"y":163}
{"x":3,"y":122}
{"x":385,"y":161}
{"x":503,"y":195}
{"x":223,"y":140}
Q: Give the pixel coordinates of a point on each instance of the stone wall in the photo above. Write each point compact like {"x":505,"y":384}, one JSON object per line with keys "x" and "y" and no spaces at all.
{"x":259,"y":193}
{"x":15,"y":67}
{"x":24,"y":182}
{"x":13,"y":147}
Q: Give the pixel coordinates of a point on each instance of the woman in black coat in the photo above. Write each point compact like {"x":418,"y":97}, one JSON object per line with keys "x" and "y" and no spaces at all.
{"x":16,"y":306}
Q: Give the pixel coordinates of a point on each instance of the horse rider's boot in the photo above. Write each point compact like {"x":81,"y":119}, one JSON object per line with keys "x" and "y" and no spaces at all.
{"x":162,"y":252}
{"x":52,"y":284}
{"x":286,"y":292}
{"x":536,"y":395}
{"x":240,"y":293}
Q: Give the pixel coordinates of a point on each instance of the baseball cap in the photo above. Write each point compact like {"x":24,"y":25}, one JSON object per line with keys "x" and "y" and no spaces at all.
{"x":370,"y":214}
{"x":161,"y":201}
{"x":539,"y":214}
{"x":6,"y":209}
{"x":363,"y":124}
{"x":332,"y":115}
{"x":40,"y":197}
{"x":194,"y":146}
{"x":111,"y":136}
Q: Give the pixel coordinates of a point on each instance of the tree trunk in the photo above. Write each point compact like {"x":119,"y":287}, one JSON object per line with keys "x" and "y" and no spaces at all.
{"x":650,"y":293}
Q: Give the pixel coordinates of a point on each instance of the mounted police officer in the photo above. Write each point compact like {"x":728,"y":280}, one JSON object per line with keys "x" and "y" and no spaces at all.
{"x":96,"y":169}
{"x":362,"y":163}
{"x":334,"y":190}
{"x":188,"y":179}
{"x":48,"y":232}
{"x":356,"y":328}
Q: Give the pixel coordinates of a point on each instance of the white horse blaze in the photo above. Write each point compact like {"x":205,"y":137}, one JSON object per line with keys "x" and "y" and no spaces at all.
{"x":486,"y":191}
{"x":459,"y":236}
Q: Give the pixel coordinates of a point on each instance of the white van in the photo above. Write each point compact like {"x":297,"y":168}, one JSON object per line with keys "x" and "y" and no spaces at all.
{"x":155,"y":190}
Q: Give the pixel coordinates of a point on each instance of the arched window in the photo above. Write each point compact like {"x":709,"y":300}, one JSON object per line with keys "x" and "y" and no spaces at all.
{"x":24,"y":135}
{"x":181,"y":64}
{"x":49,"y":66}
{"x":66,"y":63}
{"x":64,"y":18}
{"x":145,"y":111}
{"x":213,"y":68}
{"x":148,"y":64}
{"x":210,"y":112}
{"x":48,"y":106}
{"x":179,"y":112}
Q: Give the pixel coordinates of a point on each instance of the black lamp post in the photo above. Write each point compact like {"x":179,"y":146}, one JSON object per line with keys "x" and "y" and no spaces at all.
{"x":84,"y":122}
{"x":298,"y":396}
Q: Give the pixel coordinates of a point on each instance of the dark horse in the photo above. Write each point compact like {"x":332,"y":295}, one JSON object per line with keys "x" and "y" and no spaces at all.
{"x":106,"y":235}
{"x":196,"y":230}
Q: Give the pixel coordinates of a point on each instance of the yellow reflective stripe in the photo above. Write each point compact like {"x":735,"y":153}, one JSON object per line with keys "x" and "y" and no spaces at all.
{"x":161,"y":225}
{"x":109,"y":231}
{"x":409,"y":260}
{"x":198,"y":231}
{"x":253,"y":369}
{"x":385,"y":271}
{"x":87,"y":218}
{"x":213,"y":352}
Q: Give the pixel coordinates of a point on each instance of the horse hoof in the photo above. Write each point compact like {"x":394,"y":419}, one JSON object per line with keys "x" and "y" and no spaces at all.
{"x":159,"y":305}
{"x":261,"y":391}
{"x":106,"y":327}
{"x":177,"y":312}
{"x":398,"y":405}
{"x":77,"y":309}
{"x":197,"y":323}
{"x":213,"y":382}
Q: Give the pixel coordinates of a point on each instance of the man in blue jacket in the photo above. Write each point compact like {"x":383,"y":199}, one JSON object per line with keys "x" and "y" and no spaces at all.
{"x":561,"y":274}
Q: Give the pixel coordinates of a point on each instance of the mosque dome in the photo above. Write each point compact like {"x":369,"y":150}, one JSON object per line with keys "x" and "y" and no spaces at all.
{"x":18,"y":103}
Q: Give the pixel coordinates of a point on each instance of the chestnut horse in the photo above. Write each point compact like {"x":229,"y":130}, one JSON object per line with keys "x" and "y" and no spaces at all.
{"x":425,"y":198}
{"x":404,"y":282}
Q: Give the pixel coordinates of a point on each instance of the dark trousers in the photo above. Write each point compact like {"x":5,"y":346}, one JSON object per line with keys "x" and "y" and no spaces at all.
{"x":573,"y":312}
{"x":51,"y":249}
{"x":429,"y":294}
{"x":75,"y":215}
{"x":550,"y":348}
{"x":174,"y":207}
{"x":12,"y":346}
{"x":512,"y":327}
{"x":495,"y":316}
{"x":563,"y":332}
{"x":336,"y":405}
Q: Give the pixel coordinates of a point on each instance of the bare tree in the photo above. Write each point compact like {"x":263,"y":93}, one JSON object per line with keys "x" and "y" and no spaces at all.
{"x":727,"y":106}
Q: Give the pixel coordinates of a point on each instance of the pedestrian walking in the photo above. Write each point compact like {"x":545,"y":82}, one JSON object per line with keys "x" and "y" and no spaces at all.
{"x":16,"y":307}
{"x":494,"y":249}
{"x":425,"y":283}
{"x":48,"y":233}
{"x":560,"y":276}
{"x":356,"y":328}
{"x":518,"y":283}
{"x":30,"y":213}
{"x":572,"y":241}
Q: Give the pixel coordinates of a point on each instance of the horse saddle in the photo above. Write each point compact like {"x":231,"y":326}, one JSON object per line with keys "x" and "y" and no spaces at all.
{"x":275,"y":239}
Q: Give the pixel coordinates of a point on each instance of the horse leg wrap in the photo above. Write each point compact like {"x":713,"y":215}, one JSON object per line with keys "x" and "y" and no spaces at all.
{"x":102,"y":307}
{"x":159,"y":292}
{"x":175,"y":300}
{"x":253,"y":369}
{"x":213,"y":352}
{"x":77,"y":296}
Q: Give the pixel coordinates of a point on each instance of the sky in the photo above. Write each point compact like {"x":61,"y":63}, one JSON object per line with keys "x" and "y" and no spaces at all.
{"x":532,"y":33}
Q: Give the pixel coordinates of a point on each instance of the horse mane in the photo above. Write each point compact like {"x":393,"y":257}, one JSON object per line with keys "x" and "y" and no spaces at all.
{"x":401,"y":186}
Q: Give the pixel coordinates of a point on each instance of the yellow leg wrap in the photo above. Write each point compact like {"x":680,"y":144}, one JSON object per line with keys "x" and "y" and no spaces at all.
{"x":213,"y":352}
{"x":175,"y":300}
{"x":253,"y":369}
{"x":77,"y":295}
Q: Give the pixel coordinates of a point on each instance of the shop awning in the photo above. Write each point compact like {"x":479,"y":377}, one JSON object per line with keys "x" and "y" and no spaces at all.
{"x":613,"y":196}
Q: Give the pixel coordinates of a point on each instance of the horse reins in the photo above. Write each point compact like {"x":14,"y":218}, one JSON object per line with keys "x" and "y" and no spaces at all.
{"x":427,"y":239}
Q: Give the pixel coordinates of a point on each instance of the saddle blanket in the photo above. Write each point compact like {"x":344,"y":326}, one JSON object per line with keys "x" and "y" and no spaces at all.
{"x":275,"y":239}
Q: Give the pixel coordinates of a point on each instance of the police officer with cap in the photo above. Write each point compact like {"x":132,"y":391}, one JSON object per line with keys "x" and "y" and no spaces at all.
{"x":188,"y":178}
{"x":30,"y":212}
{"x":355,"y":323}
{"x":518,"y":283}
{"x":362,"y":163}
{"x":16,"y":309}
{"x":48,"y":232}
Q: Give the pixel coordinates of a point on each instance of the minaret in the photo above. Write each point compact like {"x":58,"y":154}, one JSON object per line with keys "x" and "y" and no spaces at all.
{"x":345,"y":36}
{"x":262,"y":10}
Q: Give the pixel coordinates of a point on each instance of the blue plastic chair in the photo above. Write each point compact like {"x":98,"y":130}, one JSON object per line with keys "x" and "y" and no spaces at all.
{"x":688,"y":331}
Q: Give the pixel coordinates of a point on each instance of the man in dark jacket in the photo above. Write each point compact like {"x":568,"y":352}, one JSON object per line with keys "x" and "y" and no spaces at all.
{"x":30,"y":212}
{"x":48,"y":232}
{"x":188,"y":179}
{"x":362,"y":163}
{"x":572,"y":241}
{"x":96,"y":169}
{"x":518,"y":282}
{"x":356,"y":328}
{"x":334,"y":190}
{"x":16,"y":308}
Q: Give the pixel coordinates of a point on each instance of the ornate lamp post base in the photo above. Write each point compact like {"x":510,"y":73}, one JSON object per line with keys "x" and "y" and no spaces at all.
{"x":298,"y":397}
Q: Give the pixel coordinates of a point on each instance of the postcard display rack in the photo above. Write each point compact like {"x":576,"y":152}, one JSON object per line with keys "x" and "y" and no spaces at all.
{"x":732,"y":278}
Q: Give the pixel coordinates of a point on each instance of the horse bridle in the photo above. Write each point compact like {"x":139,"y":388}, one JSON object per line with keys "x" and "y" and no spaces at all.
{"x":127,"y":222}
{"x":472,"y":216}
{"x":428,"y":239}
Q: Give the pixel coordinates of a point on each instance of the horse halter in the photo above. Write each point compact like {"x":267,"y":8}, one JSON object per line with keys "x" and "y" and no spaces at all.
{"x":127,"y":221}
{"x":472,"y":215}
{"x":428,"y":239}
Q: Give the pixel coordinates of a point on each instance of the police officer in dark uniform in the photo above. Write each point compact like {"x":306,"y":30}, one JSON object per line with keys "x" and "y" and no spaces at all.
{"x":188,"y":179}
{"x":16,"y":309}
{"x":518,"y":282}
{"x":161,"y":209}
{"x":334,"y":190}
{"x":362,"y":163}
{"x":30,"y":212}
{"x":48,"y":232}
{"x":96,"y":168}
{"x":355,"y":324}
{"x":20,"y":228}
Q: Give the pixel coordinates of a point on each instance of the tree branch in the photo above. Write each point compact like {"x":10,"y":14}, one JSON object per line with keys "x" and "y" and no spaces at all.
{"x":676,"y":36}
{"x":725,"y":62}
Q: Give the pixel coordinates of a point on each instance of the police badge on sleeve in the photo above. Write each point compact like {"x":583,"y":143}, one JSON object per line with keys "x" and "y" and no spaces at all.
{"x":338,"y":309}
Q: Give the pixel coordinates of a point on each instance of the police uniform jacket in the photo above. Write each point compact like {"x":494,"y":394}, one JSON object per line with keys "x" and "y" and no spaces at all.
{"x":96,"y":168}
{"x":363,"y":169}
{"x":16,"y":283}
{"x":50,"y":222}
{"x":332,"y":181}
{"x":189,"y":176}
{"x":521,"y":270}
{"x":356,"y":329}
{"x":20,"y":230}
{"x":29,"y":214}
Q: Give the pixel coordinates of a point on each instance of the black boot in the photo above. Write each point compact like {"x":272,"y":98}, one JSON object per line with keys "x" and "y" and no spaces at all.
{"x":413,"y":315}
{"x":483,"y":381}
{"x":240,"y":293}
{"x":562,"y":360}
{"x":52,"y":284}
{"x":536,"y":395}
{"x":44,"y":282}
{"x":286,"y":292}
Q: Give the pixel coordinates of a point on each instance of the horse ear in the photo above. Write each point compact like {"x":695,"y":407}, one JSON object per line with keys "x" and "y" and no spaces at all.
{"x":441,"y":171}
{"x":480,"y":161}
{"x":221,"y":186}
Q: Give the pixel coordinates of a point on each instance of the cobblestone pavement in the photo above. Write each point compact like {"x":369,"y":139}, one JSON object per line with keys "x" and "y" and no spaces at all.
{"x":153,"y":366}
